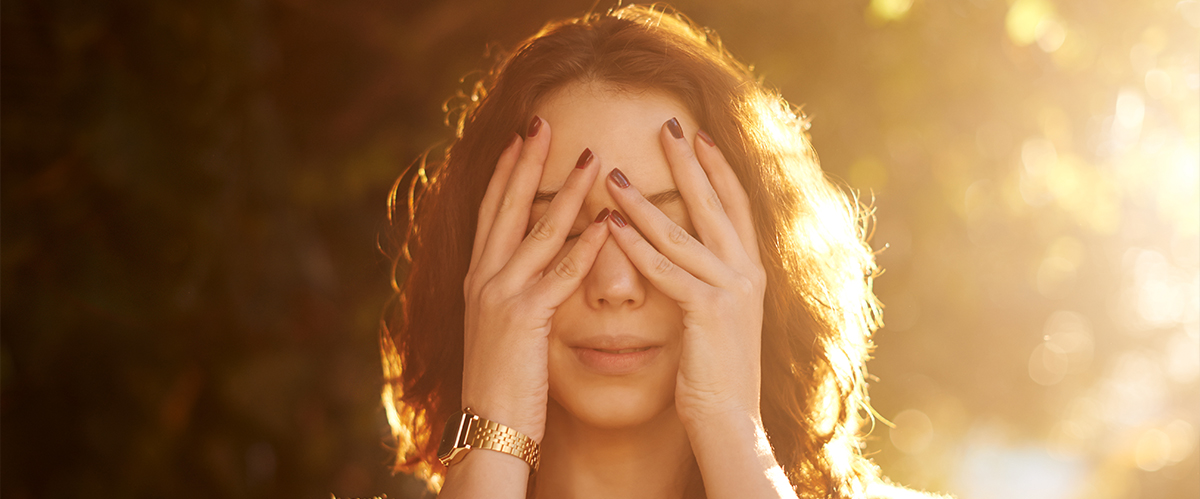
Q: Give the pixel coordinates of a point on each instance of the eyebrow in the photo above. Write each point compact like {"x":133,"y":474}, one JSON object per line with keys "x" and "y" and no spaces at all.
{"x":657,"y":199}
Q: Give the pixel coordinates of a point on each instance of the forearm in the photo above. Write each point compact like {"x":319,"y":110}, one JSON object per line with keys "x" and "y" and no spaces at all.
{"x":735,"y":459}
{"x":484,"y":473}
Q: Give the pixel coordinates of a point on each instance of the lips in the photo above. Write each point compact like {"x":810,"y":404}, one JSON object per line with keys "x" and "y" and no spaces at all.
{"x":623,"y":350}
{"x":615,"y":355}
{"x":612,"y":343}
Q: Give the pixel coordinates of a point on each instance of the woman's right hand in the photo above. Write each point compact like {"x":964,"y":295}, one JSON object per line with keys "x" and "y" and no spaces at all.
{"x":511,"y":295}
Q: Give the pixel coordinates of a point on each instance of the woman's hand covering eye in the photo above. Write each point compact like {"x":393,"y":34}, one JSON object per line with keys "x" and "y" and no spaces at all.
{"x":510,"y":296}
{"x":719,"y":282}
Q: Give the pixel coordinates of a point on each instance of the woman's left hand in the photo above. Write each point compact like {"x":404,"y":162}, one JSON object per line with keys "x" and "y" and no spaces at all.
{"x":718,"y":281}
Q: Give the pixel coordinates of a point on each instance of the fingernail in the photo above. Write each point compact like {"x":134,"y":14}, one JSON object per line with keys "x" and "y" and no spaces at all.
{"x":516,"y":136}
{"x":534,"y":126}
{"x":676,"y":130}
{"x":584,"y":159}
{"x":603,"y":214}
{"x":617,"y":218}
{"x":704,"y":136}
{"x":618,"y":178}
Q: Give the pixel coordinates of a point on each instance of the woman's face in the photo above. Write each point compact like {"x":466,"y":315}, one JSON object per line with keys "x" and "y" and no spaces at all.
{"x":615,"y":343}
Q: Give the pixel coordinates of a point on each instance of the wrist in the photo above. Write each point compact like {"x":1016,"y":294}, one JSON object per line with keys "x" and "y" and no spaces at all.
{"x":735,"y":457}
{"x":725,"y":426}
{"x":737,"y":419}
{"x":523,"y":422}
{"x":466,"y":432}
{"x":482,"y":474}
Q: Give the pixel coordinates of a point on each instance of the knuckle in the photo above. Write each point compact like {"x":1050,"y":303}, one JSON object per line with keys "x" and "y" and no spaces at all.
{"x":689,"y":155}
{"x":712,"y":201}
{"x":662,"y":265}
{"x":506,"y":202}
{"x":641,"y":245}
{"x":567,"y":268}
{"x":543,"y":230}
{"x":490,"y":293}
{"x":677,"y":235}
{"x":718,"y":297}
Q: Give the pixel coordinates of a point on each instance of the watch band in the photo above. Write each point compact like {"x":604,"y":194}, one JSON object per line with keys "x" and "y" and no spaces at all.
{"x":466,"y":431}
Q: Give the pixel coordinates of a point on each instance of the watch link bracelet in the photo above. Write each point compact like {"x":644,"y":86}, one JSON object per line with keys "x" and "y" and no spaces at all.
{"x":465,"y":431}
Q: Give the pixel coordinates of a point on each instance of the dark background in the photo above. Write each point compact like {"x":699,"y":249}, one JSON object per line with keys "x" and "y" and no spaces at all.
{"x":193,"y":195}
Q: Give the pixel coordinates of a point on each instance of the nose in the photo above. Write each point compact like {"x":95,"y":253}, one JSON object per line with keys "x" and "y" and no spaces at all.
{"x":613,"y":280}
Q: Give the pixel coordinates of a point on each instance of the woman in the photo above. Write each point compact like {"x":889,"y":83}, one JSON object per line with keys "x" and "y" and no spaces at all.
{"x":631,"y":273}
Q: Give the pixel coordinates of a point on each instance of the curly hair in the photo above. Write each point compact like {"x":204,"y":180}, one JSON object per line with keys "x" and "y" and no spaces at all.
{"x":819,"y":310}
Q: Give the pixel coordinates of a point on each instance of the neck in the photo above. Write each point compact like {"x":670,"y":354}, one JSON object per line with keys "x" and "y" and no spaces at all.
{"x":651,"y":460}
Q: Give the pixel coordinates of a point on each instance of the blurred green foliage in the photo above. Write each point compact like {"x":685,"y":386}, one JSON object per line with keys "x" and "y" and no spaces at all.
{"x":193,"y":193}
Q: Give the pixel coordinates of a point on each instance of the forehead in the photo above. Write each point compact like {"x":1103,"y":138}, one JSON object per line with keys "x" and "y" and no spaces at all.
{"x":620,"y":126}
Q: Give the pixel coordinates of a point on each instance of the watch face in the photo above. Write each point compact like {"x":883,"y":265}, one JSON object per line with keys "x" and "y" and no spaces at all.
{"x":452,"y":435}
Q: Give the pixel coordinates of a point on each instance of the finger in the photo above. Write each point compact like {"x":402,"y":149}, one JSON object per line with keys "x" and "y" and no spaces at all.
{"x":491,"y":197}
{"x":512,"y":212}
{"x":547,"y":235}
{"x":666,"y":235}
{"x":558,"y":283}
{"x":704,"y":204}
{"x":675,"y":282}
{"x":732,"y":194}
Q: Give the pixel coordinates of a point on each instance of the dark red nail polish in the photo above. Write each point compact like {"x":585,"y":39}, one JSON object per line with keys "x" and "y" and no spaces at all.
{"x":704,"y":136}
{"x":534,"y":126}
{"x":618,"y":178}
{"x":584,"y":159}
{"x":676,"y":130}
{"x":617,"y":218}
{"x":603,"y":215}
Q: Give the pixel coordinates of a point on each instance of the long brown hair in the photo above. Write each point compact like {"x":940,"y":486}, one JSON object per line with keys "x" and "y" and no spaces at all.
{"x":819,"y":311}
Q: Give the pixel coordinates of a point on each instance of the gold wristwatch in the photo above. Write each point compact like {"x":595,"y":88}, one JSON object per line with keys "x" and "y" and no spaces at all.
{"x":465,"y":431}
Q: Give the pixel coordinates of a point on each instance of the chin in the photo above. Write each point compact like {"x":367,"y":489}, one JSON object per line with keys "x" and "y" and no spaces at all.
{"x":613,"y":402}
{"x":614,"y":407}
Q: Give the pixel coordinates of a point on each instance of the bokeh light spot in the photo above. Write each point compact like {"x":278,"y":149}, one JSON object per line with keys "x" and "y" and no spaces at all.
{"x":1024,"y":18}
{"x":1190,"y":9}
{"x":1050,"y":34}
{"x":889,"y":10}
{"x":1182,"y":358}
{"x":913,"y":431}
{"x":1038,"y":155}
{"x":1182,"y":438}
{"x":1130,"y":109}
{"x":1158,"y":84}
{"x":1047,"y":364}
{"x":1068,"y":332}
{"x":1153,"y":450}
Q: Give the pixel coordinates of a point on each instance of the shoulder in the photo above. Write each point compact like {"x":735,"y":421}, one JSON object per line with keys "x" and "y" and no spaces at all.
{"x":882,"y":490}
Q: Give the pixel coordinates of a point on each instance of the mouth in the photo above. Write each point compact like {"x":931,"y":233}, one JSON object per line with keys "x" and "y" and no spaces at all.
{"x":621,"y":351}
{"x":616,"y":361}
